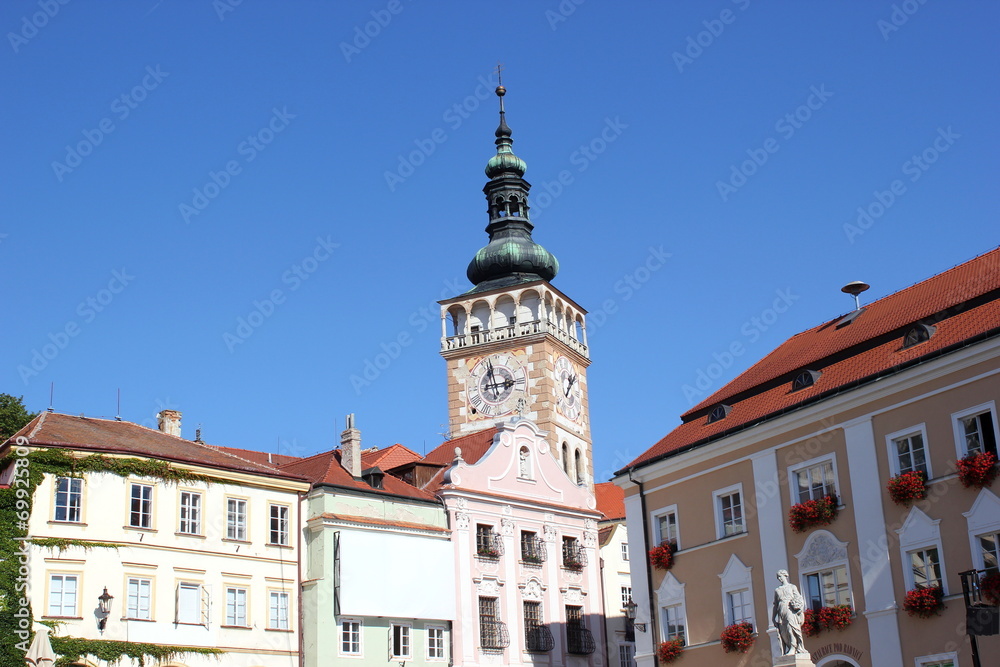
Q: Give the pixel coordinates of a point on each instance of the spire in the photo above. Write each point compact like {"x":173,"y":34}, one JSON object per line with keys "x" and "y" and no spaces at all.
{"x":511,"y":257}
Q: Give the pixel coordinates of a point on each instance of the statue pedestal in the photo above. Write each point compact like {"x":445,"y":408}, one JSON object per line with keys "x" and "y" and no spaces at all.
{"x":796,"y":660}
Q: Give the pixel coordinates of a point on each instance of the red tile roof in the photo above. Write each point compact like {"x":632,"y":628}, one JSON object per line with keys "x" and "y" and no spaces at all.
{"x":51,"y":429}
{"x":473,"y":446}
{"x":966,"y":298}
{"x":325,"y":468}
{"x":610,"y":500}
{"x":266,"y":458}
{"x":389,"y":457}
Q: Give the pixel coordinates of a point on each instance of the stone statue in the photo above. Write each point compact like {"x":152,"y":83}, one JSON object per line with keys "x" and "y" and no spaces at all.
{"x":523,"y":468}
{"x":788,"y":613}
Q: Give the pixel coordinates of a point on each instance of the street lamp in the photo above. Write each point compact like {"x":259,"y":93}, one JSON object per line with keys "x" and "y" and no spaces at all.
{"x":104,"y":601}
{"x":630,"y":608}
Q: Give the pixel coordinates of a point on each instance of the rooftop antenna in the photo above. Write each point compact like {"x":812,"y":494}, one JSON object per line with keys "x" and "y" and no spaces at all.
{"x":52,"y":391}
{"x":118,"y":415}
{"x":854,"y":289}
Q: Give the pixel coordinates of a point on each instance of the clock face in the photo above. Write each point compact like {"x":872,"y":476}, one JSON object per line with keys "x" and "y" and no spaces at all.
{"x":570,"y":399}
{"x":495,"y":384}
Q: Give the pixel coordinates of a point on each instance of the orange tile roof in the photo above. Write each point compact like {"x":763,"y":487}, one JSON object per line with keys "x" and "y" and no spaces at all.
{"x":473,"y":446}
{"x":325,"y":468}
{"x":52,"y":429}
{"x":389,"y":457}
{"x":610,"y":500}
{"x":266,"y":458}
{"x":965,"y":298}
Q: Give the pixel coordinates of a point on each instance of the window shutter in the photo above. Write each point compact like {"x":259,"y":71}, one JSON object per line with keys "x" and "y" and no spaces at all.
{"x":206,"y":606}
{"x":336,"y":574}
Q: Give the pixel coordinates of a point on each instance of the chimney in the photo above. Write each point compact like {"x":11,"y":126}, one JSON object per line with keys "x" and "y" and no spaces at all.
{"x":169,"y":421}
{"x":350,"y":448}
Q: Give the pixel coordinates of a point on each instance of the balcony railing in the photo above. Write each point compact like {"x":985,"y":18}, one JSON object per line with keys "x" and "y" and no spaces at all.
{"x":493,"y":635}
{"x":579,"y":640}
{"x":574,"y":557}
{"x":982,"y":613}
{"x":533,"y":549}
{"x":513,"y":331}
{"x":539,"y":639}
{"x":489,"y":545}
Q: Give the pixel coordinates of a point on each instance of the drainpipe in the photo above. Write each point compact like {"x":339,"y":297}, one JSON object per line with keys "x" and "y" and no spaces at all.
{"x":604,"y":599}
{"x":302,"y":639}
{"x":649,"y":567}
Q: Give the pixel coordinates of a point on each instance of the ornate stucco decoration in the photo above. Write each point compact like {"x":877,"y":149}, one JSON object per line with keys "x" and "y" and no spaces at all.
{"x":507,"y":526}
{"x":551,"y":534}
{"x":820,"y":549}
{"x":572,"y":594}
{"x":461,"y":521}
{"x":590,"y":540}
{"x":532,"y":590}
{"x":488,"y":586}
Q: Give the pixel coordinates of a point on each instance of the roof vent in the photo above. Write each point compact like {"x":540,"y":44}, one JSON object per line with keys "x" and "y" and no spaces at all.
{"x":805,"y":379}
{"x":918,"y":334}
{"x":373,"y":477}
{"x":719,"y":412}
{"x":854,"y":289}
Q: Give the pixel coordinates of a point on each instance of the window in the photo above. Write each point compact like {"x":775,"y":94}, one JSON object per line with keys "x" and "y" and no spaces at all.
{"x":626,"y":655}
{"x":435,"y":642}
{"x":141,"y":506}
{"x":492,"y":632}
{"x":137,"y":604}
{"x":190,"y":513}
{"x":673,"y":623}
{"x":487,"y":542}
{"x":815,"y":481}
{"x":277,"y":611}
{"x":666,"y":526}
{"x":625,"y":551}
{"x":279,"y":525}
{"x":236,"y":607}
{"x":532,"y":547}
{"x":975,"y":430}
{"x":537,"y":637}
{"x":926,"y":567}
{"x":910,"y":454}
{"x":236,"y":519}
{"x":574,"y":557}
{"x":940,"y":660}
{"x":189,"y":603}
{"x":350,"y":637}
{"x":827,"y":588}
{"x":718,"y":413}
{"x":739,"y":606}
{"x":62,"y":594}
{"x":918,"y":334}
{"x":989,"y":545}
{"x":400,"y":641}
{"x":579,"y":640}
{"x":626,"y":596}
{"x":805,"y":379}
{"x":69,"y":499}
{"x":729,"y":512}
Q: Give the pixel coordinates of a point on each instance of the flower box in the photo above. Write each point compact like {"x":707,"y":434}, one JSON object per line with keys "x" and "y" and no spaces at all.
{"x":572,"y":564}
{"x":669,"y":651}
{"x":977,"y":470}
{"x":737,"y":638}
{"x":989,"y":587}
{"x":924,"y":602}
{"x":811,"y":513}
{"x":907,"y":487}
{"x":662,"y":557}
{"x":827,"y":618}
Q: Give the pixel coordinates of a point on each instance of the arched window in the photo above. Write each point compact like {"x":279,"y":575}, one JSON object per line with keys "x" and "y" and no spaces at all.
{"x":565,"y":458}
{"x":579,"y":468}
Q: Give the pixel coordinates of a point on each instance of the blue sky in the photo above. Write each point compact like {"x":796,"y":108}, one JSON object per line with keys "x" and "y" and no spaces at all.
{"x":314,"y":169}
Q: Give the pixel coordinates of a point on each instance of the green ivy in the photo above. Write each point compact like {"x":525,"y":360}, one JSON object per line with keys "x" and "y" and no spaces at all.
{"x":13,"y":532}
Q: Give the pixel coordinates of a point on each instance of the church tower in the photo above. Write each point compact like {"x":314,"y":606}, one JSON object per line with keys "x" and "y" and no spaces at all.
{"x":514,"y":344}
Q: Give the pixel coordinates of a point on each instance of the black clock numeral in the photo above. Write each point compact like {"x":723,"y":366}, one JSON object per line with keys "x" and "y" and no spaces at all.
{"x":477,"y":401}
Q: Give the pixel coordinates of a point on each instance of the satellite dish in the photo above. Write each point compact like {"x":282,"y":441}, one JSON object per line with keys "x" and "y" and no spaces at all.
{"x":854,"y":289}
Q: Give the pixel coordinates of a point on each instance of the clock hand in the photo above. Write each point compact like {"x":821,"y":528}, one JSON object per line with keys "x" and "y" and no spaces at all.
{"x":569,"y":386}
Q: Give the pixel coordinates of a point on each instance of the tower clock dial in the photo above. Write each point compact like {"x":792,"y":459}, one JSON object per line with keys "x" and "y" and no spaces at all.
{"x":569,"y":401}
{"x":495,"y":384}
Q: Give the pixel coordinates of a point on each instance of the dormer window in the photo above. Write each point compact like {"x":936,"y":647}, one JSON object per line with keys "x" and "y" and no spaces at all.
{"x":850,"y":317}
{"x":373,"y":477}
{"x":918,"y":334}
{"x":805,"y":379}
{"x":719,"y":412}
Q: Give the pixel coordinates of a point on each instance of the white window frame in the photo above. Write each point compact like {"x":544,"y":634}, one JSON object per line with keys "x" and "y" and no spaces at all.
{"x":671,"y":594}
{"x":200,"y":614}
{"x":136,"y":613}
{"x":928,"y":660}
{"x":837,"y":551}
{"x":956,"y":424}
{"x":282,"y":531}
{"x":148,"y":514}
{"x":626,"y":596}
{"x":908,"y":569}
{"x":275,"y":619}
{"x":982,"y":519}
{"x":669,"y":509}
{"x":234,"y":620}
{"x":405,"y":641}
{"x":63,"y":576}
{"x":195,"y":512}
{"x":237,"y":521}
{"x":794,"y":470}
{"x":626,"y":654}
{"x":428,"y":644}
{"x":890,"y":444}
{"x":360,"y":635}
{"x":624,"y":551}
{"x":919,"y":532}
{"x":682,"y":619}
{"x":717,"y":496}
{"x":734,"y":579}
{"x":68,"y":507}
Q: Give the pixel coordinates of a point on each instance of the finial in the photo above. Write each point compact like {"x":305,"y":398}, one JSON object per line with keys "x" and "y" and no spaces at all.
{"x":500,"y":91}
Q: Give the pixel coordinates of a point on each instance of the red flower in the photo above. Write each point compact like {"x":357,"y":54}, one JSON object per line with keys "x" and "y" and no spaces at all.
{"x":827,"y":618}
{"x":989,"y":586}
{"x":669,"y":651}
{"x":662,"y":557}
{"x":907,"y":487}
{"x":737,"y":637}
{"x":817,"y":512}
{"x":924,"y":602}
{"x":977,"y":470}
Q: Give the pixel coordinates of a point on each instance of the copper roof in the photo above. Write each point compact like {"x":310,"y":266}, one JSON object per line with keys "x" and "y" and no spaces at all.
{"x":963,"y":304}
